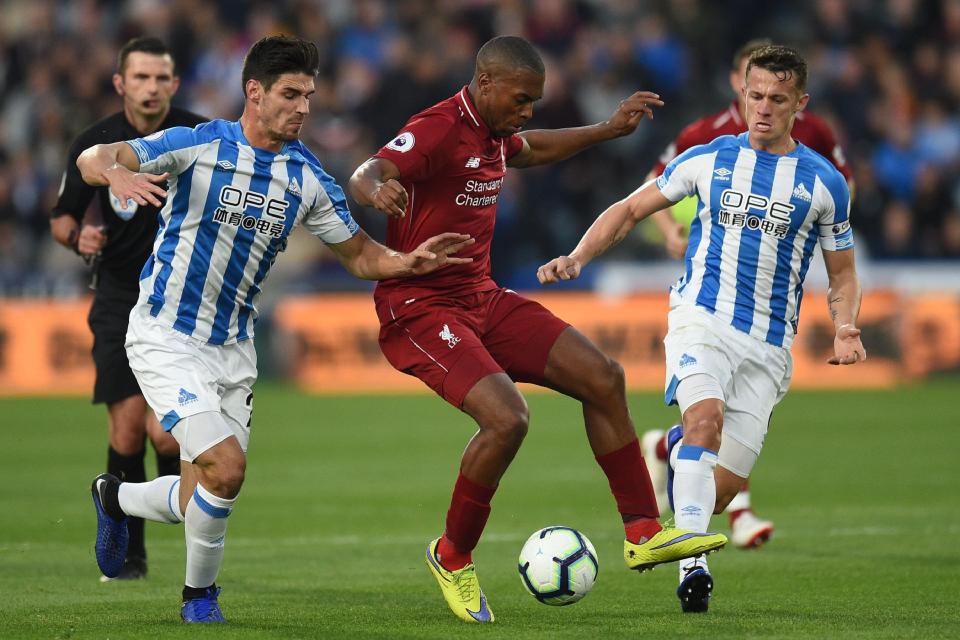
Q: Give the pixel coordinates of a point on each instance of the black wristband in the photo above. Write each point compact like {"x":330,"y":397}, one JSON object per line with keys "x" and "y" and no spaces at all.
{"x":73,"y":239}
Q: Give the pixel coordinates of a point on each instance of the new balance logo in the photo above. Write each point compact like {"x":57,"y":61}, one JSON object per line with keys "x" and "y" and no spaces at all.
{"x":687,"y":359}
{"x":472,"y":163}
{"x":294,"y":187}
{"x":722,"y":173}
{"x":447,"y":335}
{"x":801,"y":193}
{"x":226,"y":165}
{"x":186,"y":397}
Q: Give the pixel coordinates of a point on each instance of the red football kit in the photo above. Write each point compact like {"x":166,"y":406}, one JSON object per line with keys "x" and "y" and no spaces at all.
{"x":455,"y":326}
{"x":808,"y":128}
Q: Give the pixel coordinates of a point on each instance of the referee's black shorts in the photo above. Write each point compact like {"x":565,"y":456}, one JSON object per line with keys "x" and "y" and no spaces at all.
{"x":108,"y":321}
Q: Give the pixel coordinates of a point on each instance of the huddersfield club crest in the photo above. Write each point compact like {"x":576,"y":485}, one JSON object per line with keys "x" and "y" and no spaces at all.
{"x":124,"y":211}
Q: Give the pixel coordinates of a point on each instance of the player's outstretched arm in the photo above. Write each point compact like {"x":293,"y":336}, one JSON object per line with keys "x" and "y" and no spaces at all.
{"x":843,"y":299}
{"x":374,"y":184}
{"x":366,"y":258}
{"x":117,"y":165}
{"x":542,"y":146}
{"x":611,"y":227}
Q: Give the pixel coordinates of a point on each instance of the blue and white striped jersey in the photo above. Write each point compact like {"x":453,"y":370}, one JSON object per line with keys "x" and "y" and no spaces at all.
{"x":758,"y":219}
{"x":229,"y":210}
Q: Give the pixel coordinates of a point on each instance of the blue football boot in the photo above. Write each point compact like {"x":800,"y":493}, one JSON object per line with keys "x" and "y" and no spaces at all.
{"x":203,"y":610}
{"x":674,"y":436}
{"x":112,"y":535}
{"x":695,"y":589}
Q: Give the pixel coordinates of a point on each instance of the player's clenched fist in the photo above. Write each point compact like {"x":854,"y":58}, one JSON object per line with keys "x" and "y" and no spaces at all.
{"x":847,"y":347}
{"x":562,"y":268}
{"x":391,"y":198}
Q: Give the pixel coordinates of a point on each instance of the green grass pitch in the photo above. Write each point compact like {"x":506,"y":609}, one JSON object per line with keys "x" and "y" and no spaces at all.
{"x":343,"y":493}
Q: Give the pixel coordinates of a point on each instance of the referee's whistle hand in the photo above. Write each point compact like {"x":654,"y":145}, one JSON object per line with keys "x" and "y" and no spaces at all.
{"x":91,"y":240}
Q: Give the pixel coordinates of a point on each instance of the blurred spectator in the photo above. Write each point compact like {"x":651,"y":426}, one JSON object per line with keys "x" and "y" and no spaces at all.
{"x":887,"y":73}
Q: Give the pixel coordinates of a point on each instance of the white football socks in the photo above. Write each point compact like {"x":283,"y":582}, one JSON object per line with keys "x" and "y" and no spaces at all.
{"x":688,"y":564}
{"x":694,"y":489}
{"x":205,"y":526}
{"x":157,"y":500}
{"x":740,"y":501}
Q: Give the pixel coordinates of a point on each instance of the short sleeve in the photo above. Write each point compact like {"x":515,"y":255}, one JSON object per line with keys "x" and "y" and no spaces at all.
{"x":679,"y":178}
{"x":168,"y":150}
{"x":75,"y":194}
{"x":329,"y":217}
{"x":832,"y":198}
{"x":512,"y":146}
{"x":423,"y":146}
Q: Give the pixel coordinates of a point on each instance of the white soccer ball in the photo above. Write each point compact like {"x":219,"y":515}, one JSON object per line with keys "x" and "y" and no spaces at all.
{"x":558,"y":565}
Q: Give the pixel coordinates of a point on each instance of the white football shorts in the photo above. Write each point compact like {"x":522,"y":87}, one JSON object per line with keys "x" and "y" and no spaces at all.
{"x":753,"y":376}
{"x":181,"y":376}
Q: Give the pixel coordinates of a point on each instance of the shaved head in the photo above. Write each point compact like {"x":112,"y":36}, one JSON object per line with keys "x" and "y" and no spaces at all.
{"x":508,"y":54}
{"x":507,"y":81}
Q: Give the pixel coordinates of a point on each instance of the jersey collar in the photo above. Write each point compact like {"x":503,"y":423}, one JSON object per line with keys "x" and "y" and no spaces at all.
{"x":238,"y":131}
{"x":472,"y":116}
{"x":744,"y":139}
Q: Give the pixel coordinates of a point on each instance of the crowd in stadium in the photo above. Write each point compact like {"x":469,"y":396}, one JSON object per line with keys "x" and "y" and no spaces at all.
{"x":885,"y":73}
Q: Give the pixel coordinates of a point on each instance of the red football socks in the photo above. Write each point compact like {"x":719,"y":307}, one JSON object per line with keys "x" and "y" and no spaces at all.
{"x":630,"y":483}
{"x":661,"y":451}
{"x":466,"y":518}
{"x":641,"y":529}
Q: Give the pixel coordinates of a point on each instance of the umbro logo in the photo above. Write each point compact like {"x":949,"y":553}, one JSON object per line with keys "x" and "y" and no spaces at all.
{"x":722,"y":173}
{"x":473,"y":163}
{"x":447,"y":335}
{"x":226,"y":165}
{"x":692,"y":510}
{"x":686,"y":360}
{"x":801,"y":193}
{"x":186,"y":397}
{"x":294,"y":187}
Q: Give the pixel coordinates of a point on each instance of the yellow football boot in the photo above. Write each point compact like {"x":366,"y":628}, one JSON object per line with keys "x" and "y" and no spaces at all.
{"x":461,"y":588}
{"x":669,"y":545}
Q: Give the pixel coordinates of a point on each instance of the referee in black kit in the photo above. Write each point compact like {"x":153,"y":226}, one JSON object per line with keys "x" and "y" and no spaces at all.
{"x":147,"y":79}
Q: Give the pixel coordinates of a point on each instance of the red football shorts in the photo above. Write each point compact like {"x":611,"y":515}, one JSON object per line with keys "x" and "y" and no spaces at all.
{"x":451,"y":342}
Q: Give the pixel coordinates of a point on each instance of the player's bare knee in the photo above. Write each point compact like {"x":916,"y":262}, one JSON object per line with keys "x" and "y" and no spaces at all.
{"x":225,"y":479}
{"x":222,"y":471}
{"x":608,"y":382}
{"x":703,"y":430}
{"x":509,"y":426}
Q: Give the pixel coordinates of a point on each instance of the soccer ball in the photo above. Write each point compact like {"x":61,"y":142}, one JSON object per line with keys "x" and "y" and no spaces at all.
{"x":558,"y":565}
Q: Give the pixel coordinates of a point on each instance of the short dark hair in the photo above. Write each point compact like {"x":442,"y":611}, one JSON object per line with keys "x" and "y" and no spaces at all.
{"x":783,"y":62}
{"x":143,"y":44}
{"x":747,"y":49}
{"x":510,"y":51}
{"x":273,"y":56}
